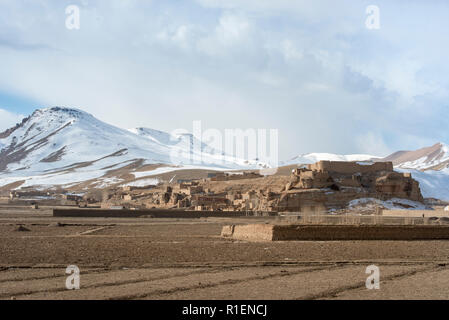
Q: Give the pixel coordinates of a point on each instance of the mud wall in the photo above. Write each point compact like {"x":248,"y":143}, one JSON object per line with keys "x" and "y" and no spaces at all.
{"x":415,"y":213}
{"x":337,"y":232}
{"x":100,"y":213}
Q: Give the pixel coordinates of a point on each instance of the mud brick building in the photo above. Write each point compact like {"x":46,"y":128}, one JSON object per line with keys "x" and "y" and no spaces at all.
{"x":333,"y":184}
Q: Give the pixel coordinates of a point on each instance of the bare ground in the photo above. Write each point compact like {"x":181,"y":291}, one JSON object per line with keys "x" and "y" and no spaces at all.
{"x":187,"y":259}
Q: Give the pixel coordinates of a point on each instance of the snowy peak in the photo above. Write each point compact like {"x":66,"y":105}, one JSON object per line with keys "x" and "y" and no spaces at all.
{"x":65,"y":146}
{"x":54,"y":117}
{"x":41,"y":123}
{"x":435,"y":157}
{"x":63,"y":136}
{"x":60,"y":113}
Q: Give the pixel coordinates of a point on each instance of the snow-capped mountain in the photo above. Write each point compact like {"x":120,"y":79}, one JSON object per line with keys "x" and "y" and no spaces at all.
{"x":65,"y":146}
{"x":435,"y":157}
{"x":315,"y":157}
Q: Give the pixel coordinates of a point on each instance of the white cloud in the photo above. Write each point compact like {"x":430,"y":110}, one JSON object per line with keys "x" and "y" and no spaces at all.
{"x":313,"y":71}
{"x":232,"y":29}
{"x":230,"y":35}
{"x":9,"y":119}
{"x":289,"y":51}
{"x":374,"y":144}
{"x":181,"y":36}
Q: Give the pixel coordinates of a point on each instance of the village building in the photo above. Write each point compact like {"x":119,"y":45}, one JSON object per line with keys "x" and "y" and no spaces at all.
{"x":226,"y":176}
{"x":208,"y":202}
{"x":328,"y":184}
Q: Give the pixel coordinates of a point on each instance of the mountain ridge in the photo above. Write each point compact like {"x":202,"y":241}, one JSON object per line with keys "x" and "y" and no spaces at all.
{"x":65,"y":146}
{"x":435,"y":157}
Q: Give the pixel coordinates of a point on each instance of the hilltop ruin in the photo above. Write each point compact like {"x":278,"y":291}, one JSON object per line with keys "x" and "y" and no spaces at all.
{"x":321,"y":187}
{"x":332,"y":184}
{"x":318,"y":187}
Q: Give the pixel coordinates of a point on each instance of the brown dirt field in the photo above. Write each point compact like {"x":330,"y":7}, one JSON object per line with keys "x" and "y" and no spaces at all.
{"x":173,"y":259}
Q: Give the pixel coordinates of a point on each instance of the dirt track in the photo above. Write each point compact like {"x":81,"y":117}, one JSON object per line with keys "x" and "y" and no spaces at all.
{"x":170,"y":259}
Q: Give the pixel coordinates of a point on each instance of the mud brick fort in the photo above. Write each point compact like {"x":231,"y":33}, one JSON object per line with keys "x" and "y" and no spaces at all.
{"x":317,"y":187}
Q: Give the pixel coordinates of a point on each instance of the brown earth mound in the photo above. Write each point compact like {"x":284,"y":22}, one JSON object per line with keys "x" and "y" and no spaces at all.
{"x":22,"y":229}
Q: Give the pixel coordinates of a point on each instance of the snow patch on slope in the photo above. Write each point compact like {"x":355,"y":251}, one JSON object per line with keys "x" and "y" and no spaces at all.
{"x":142,"y":183}
{"x":392,"y":204}
{"x":431,"y":157}
{"x":60,"y":146}
{"x":162,"y":170}
{"x":315,"y":157}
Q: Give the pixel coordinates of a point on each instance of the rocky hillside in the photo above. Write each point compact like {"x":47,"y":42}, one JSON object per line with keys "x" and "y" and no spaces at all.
{"x":435,"y":157}
{"x":63,"y":146}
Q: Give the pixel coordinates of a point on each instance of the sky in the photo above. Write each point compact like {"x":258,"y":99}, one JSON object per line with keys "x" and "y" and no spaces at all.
{"x":311,"y":69}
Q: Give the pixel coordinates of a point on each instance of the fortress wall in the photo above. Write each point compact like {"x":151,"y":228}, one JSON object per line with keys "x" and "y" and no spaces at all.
{"x":350,"y":167}
{"x":415,"y":213}
{"x":336,"y":232}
